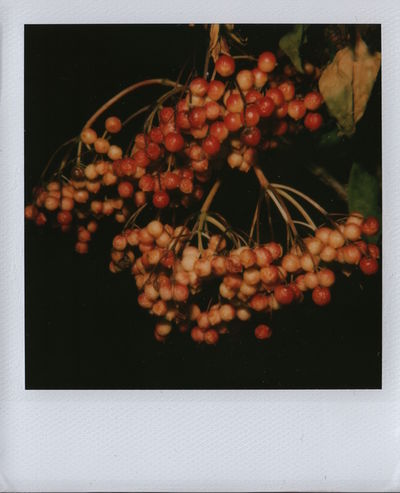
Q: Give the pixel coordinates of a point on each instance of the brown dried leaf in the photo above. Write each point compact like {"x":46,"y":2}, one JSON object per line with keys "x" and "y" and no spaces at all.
{"x":335,"y":85}
{"x":365,"y":71}
{"x":214,"y":46}
{"x":346,"y":84}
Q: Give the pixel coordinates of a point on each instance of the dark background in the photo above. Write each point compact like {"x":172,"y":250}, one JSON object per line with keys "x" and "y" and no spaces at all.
{"x":84,"y":328}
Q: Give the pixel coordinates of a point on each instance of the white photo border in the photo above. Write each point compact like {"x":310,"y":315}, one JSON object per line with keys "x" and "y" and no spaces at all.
{"x":264,"y":440}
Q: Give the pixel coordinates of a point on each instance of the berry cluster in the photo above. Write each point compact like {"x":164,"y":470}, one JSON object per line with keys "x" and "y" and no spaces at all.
{"x":170,"y":272}
{"x":230,"y":119}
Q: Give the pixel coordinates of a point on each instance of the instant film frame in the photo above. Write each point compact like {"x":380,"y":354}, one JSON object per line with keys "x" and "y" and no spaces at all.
{"x":192,"y":440}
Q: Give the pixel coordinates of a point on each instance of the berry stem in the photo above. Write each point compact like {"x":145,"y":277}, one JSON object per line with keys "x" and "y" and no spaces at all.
{"x":120,"y":95}
{"x":294,"y":202}
{"x":270,"y":190}
{"x":204,"y":209}
{"x":68,"y":142}
{"x":302,"y":195}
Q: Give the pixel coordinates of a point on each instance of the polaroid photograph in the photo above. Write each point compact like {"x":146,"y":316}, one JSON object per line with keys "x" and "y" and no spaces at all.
{"x":201,"y":292}
{"x":208,"y":219}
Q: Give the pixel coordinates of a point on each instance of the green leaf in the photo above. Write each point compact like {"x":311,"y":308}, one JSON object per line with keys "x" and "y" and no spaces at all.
{"x":363,"y":192}
{"x":290,"y":43}
{"x":330,"y":138}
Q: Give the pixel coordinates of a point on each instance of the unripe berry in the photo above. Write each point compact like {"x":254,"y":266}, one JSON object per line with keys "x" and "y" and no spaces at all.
{"x":328,"y":254}
{"x":260,"y":78}
{"x":291,"y":263}
{"x":352,"y":231}
{"x":245,"y":79}
{"x":202,"y":267}
{"x":314,"y":245}
{"x":225,"y":66}
{"x":243,"y":314}
{"x":101,"y":146}
{"x":269,"y":275}
{"x":163,"y":329}
{"x":336,"y":239}
{"x":259,"y":302}
{"x":326,"y":278}
{"x":351,"y":254}
{"x":323,"y":234}
{"x":266,"y":61}
{"x":226,"y":292}
{"x":88,"y":136}
{"x":355,"y":218}
{"x":311,"y":280}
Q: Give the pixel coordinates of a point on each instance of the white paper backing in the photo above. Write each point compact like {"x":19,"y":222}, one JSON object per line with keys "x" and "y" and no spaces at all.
{"x":192,"y":440}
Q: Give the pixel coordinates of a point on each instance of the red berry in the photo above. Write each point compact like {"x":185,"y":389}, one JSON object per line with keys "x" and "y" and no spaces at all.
{"x":125,"y":189}
{"x":156,"y":135}
{"x":235,"y":103}
{"x":197,"y":334}
{"x":287,"y":89}
{"x":313,"y":100}
{"x":128,"y":166}
{"x":251,"y":115}
{"x":283,"y":295}
{"x":216,"y":89}
{"x":146,"y":183}
{"x":153,"y":150}
{"x":296,"y":109}
{"x":211,"y":145}
{"x":313,"y":121}
{"x":160,"y":199}
{"x":276,"y":95}
{"x":321,"y":296}
{"x":373,"y":250}
{"x":225,"y":66}
{"x":198,"y":117}
{"x":369,"y":266}
{"x":171,"y":180}
{"x":211,"y":337}
{"x":370,"y":226}
{"x":174,"y":142}
{"x":262,"y":332}
{"x":141,"y":158}
{"x":253,"y":96}
{"x":219,"y":130}
{"x":251,"y":136}
{"x":233,"y":121}
{"x":213,"y":110}
{"x":267,"y":61}
{"x":167,"y":115}
{"x":113,"y":125}
{"x":64,"y":218}
{"x":266,"y":106}
{"x":198,"y":86}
